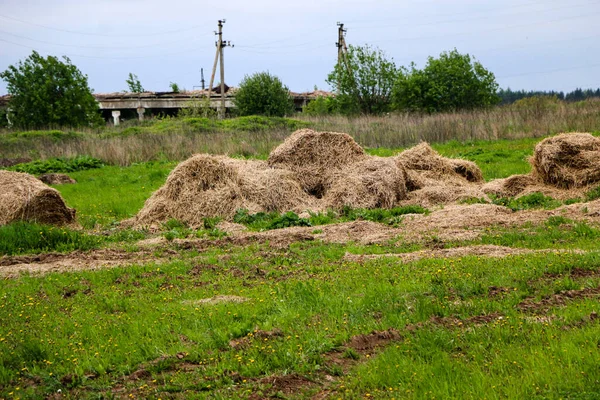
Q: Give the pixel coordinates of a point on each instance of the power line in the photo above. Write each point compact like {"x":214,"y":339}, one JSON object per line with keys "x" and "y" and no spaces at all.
{"x":452,"y":14}
{"x":101,"y":34}
{"x":489,"y":30}
{"x":105,"y":57}
{"x":570,"y":6}
{"x":549,"y":71}
{"x":88,"y":46}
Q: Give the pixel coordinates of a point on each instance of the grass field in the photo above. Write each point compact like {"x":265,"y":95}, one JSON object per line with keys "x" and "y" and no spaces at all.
{"x":305,"y":320}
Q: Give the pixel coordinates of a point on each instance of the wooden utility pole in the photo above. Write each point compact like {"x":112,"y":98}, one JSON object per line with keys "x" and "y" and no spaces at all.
{"x":342,"y":47}
{"x":340,"y":43}
{"x":219,"y":56}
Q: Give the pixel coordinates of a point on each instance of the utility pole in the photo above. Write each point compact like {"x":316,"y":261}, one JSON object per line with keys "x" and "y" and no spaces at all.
{"x":342,"y":47}
{"x":202,"y":77}
{"x":220,"y":43}
{"x":340,"y":43}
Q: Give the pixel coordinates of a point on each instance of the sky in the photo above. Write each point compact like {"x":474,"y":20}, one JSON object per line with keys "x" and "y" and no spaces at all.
{"x":528,"y":44}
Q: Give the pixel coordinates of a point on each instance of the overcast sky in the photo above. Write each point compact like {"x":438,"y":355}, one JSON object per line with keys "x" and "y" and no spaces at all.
{"x":528,"y":44}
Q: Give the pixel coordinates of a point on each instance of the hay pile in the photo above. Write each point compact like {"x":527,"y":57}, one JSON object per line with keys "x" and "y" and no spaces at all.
{"x":563,"y":167}
{"x":433,"y":179}
{"x":315,"y":157}
{"x":216,"y":186}
{"x":310,"y":171}
{"x":24,"y":197}
{"x":372,"y":183}
{"x":568,"y":160}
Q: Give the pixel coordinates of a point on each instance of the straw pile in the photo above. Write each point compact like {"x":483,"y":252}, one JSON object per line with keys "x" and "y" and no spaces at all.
{"x":24,"y":197}
{"x":372,"y":183}
{"x":216,"y":186}
{"x":563,"y":167}
{"x":315,"y":157}
{"x":432,"y":179}
{"x":568,"y":160}
{"x":309,"y":171}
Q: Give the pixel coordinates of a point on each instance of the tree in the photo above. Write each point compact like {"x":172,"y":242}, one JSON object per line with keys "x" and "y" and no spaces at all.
{"x":451,"y":82}
{"x":134,"y":84}
{"x":364,"y":81}
{"x":174,"y":87}
{"x":47,"y":91}
{"x":263,"y":94}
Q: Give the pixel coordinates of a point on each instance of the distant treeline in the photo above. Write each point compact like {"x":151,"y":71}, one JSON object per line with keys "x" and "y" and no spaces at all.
{"x":509,"y":96}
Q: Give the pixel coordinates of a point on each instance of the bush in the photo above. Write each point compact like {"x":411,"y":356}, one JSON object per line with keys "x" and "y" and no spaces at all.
{"x":263,"y":94}
{"x":58,"y":165}
{"x":322,"y":105}
{"x":451,"y":82}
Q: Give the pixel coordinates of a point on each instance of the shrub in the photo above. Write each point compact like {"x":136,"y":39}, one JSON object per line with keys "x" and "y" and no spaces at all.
{"x":322,"y":105}
{"x":263,"y":94}
{"x":58,"y":165}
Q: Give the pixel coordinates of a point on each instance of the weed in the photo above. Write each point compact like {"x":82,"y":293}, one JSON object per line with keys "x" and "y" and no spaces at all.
{"x":39,"y":167}
{"x":25,"y":237}
{"x":593,"y":194}
{"x":530,"y":201}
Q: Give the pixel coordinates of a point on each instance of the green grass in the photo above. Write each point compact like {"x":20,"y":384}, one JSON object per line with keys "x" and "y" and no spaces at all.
{"x":32,"y":238}
{"x":84,"y":333}
{"x":107,"y":195}
{"x":266,"y":221}
{"x":23,"y":237}
{"x":202,"y":125}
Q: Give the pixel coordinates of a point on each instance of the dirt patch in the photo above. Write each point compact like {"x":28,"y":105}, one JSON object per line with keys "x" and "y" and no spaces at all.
{"x":217,"y":300}
{"x":40,"y":264}
{"x":575,"y":273}
{"x":457,"y":252}
{"x":231,"y":228}
{"x":9,"y":162}
{"x":23,"y":197}
{"x":359,"y":347}
{"x":498,"y":291}
{"x":286,"y":385}
{"x":373,"y":340}
{"x":243,"y":342}
{"x":560,"y":299}
{"x":57,"y":179}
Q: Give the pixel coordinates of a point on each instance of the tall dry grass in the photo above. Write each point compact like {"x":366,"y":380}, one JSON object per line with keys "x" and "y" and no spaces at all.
{"x":532,"y":118}
{"x":526,"y":119}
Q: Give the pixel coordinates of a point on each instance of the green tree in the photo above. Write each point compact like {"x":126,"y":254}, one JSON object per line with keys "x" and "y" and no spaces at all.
{"x":451,"y":82}
{"x":134,"y":84}
{"x":263,"y":94}
{"x":364,"y":82}
{"x":322,"y":105}
{"x":174,"y":87}
{"x":47,"y":91}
